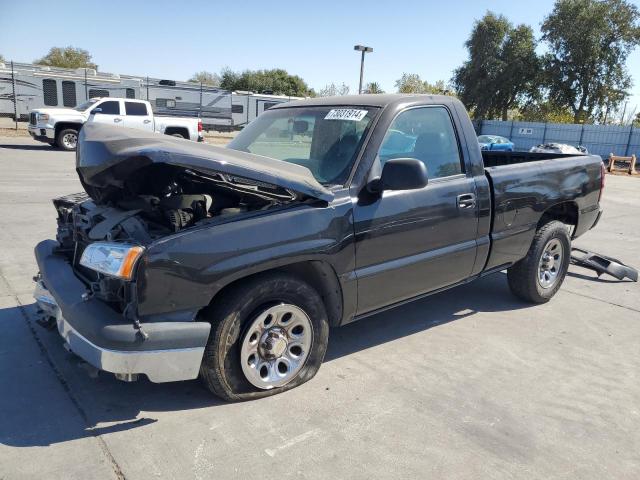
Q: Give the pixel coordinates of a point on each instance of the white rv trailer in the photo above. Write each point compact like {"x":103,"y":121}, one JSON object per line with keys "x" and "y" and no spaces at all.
{"x":38,"y":86}
{"x":189,"y":99}
{"x":245,"y":106}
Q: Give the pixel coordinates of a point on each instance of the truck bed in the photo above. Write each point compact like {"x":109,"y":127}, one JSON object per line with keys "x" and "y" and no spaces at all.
{"x":498,"y":159}
{"x":523,"y":185}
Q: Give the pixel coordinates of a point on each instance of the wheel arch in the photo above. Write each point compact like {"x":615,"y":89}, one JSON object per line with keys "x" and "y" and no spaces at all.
{"x":566,"y":212}
{"x":64,"y":125}
{"x":184,"y":131}
{"x":317,"y":273}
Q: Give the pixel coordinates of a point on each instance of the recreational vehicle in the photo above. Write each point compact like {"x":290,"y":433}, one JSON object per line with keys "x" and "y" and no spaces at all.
{"x":37,"y":86}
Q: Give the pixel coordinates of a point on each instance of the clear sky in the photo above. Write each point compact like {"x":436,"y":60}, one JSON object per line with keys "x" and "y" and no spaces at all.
{"x":174,"y":39}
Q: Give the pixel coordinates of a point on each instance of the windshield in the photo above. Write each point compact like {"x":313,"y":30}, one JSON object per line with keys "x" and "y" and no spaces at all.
{"x":326,"y":140}
{"x":486,"y":139}
{"x":86,"y":105}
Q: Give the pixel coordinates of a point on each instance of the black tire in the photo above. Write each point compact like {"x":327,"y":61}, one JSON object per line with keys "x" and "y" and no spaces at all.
{"x":64,"y":144}
{"x":221,"y":369}
{"x":177,"y":135}
{"x":523,"y":276}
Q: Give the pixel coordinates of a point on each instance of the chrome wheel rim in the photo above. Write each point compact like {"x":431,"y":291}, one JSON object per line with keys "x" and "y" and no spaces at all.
{"x":276,"y":346}
{"x":70,"y":140}
{"x":550,"y":263}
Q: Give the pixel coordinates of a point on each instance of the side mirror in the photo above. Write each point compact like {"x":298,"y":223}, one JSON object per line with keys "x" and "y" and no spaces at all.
{"x":96,"y":110}
{"x":401,"y":174}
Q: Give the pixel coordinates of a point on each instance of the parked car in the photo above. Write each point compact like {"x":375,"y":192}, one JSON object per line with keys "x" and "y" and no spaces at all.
{"x":559,"y":148}
{"x":60,"y":126}
{"x":495,"y":143}
{"x":184,"y":259}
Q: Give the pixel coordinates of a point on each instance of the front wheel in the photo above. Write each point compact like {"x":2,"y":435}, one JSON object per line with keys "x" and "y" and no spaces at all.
{"x":268,"y":335}
{"x":538,"y":276}
{"x":67,"y":139}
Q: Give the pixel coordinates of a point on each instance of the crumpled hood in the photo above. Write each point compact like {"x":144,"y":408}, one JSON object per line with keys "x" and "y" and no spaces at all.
{"x":107,"y":155}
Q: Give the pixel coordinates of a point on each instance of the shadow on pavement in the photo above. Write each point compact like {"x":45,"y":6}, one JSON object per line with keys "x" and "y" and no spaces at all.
{"x":44,"y":146}
{"x":101,"y":399}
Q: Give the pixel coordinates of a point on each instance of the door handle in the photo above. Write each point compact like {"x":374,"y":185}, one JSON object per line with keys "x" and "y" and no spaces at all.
{"x":466,"y":200}
{"x":117,"y":120}
{"x":147,"y":121}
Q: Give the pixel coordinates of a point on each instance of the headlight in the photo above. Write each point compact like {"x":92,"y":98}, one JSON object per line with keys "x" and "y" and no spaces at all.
{"x":43,"y":117}
{"x":115,"y":259}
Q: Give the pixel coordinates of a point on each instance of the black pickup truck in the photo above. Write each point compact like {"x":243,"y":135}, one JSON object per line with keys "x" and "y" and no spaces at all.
{"x":184,"y":259}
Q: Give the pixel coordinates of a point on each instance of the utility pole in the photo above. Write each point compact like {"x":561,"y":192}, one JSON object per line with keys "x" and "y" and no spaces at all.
{"x":363,"y":49}
{"x":15,"y":100}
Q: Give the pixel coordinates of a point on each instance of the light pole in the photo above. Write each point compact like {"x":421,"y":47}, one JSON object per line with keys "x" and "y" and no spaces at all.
{"x":363,"y":49}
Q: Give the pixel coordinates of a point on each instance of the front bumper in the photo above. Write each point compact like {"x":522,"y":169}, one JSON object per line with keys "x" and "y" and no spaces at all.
{"x":172,"y":351}
{"x":42,"y":134}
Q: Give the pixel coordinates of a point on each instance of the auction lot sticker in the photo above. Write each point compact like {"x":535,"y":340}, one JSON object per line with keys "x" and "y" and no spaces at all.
{"x":346,"y":114}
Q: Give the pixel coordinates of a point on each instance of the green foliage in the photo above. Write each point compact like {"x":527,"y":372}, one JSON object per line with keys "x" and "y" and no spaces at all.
{"x":636,"y":121}
{"x":68,"y":57}
{"x":589,"y":42}
{"x":544,"y":111}
{"x":333,"y":90}
{"x":373,"y":87}
{"x":412,"y":83}
{"x":206,"y":78}
{"x":2,"y":60}
{"x":277,"y":80}
{"x":502,"y":72}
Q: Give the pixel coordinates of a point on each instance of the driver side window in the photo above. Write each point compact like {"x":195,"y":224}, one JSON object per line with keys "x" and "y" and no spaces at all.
{"x":110,"y":107}
{"x":427,"y":134}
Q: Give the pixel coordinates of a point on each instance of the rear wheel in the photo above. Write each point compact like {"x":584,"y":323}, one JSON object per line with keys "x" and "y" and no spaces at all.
{"x":67,"y":139}
{"x":538,"y":276}
{"x":177,"y":135}
{"x":268,"y":335}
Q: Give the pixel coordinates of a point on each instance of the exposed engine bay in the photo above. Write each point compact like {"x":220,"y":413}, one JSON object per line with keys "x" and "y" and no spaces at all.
{"x":159,"y":202}
{"x":162,"y":200}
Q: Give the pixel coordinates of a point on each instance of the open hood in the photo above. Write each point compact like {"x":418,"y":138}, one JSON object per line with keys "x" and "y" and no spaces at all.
{"x":108,"y":156}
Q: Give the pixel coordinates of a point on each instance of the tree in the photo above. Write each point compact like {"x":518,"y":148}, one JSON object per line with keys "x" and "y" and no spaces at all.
{"x":206,"y":78}
{"x":373,"y":87}
{"x":545,"y":111}
{"x":502,"y":72}
{"x":2,"y":60}
{"x":412,"y":83}
{"x":438,"y":88}
{"x":636,"y":121}
{"x":276,"y":81}
{"x":68,"y":57}
{"x":333,"y":90}
{"x":589,"y":42}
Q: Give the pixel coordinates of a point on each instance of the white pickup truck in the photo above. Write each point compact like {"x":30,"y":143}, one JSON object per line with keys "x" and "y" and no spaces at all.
{"x":60,"y":126}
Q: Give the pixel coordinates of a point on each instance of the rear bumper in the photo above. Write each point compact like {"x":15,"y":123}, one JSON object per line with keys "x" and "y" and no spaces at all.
{"x":172,"y":351}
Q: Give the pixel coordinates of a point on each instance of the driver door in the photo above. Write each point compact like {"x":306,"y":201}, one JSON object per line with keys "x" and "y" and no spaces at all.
{"x":412,"y":242}
{"x":108,"y":112}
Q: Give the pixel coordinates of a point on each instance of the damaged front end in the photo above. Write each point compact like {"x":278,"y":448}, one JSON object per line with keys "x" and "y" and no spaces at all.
{"x":141,"y":188}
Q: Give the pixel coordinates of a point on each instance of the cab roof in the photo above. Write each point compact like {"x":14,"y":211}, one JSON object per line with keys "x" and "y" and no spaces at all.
{"x":369,"y":100}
